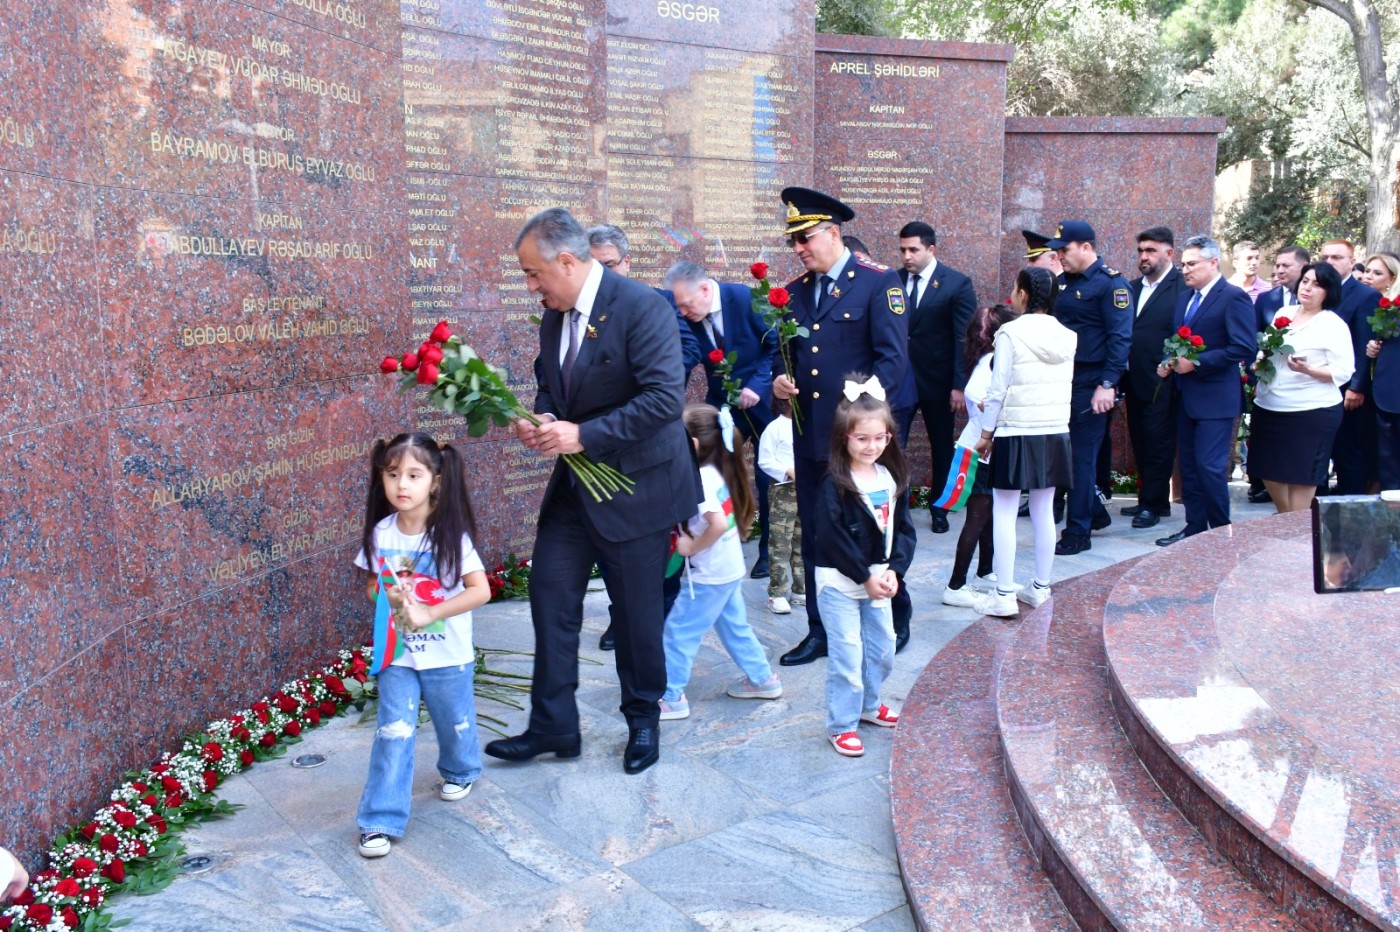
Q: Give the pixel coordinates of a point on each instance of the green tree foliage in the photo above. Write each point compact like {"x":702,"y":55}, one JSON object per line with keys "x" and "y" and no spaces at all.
{"x":856,"y":17}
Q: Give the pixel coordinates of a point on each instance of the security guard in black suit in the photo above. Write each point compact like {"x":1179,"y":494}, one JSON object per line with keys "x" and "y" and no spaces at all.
{"x":1095,"y":303}
{"x":854,"y":312}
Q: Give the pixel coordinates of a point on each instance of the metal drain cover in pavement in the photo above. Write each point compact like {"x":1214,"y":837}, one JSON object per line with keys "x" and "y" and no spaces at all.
{"x":307,"y":761}
{"x":197,"y":863}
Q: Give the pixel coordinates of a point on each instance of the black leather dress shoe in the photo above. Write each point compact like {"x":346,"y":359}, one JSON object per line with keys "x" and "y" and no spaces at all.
{"x":608,"y":641}
{"x":1146,"y":518}
{"x":1130,"y":511}
{"x":940,"y":521}
{"x":1070,"y":544}
{"x":1259,"y":496}
{"x":901,"y":638}
{"x":643,"y":749}
{"x":527,"y":746}
{"x":1100,"y":520}
{"x":760,"y":569}
{"x":1168,"y":541}
{"x":813,"y":647}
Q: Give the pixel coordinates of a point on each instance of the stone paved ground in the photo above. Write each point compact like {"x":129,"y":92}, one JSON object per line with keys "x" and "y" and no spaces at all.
{"x":750,"y":821}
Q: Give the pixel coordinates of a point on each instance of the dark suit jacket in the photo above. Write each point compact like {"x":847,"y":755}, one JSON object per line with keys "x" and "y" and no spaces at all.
{"x":1385,"y":382}
{"x":753,"y":344}
{"x":628,"y":392}
{"x":690,"y":350}
{"x":1151,"y":329}
{"x":1268,"y":304}
{"x":937,"y":331}
{"x":1225,"y":320}
{"x":1359,"y":302}
{"x":860,"y":330}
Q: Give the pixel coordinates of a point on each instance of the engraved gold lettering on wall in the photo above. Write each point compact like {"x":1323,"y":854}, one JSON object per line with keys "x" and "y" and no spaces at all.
{"x":688,"y":12}
{"x":301,"y":538}
{"x":880,"y":69}
{"x":18,"y":239}
{"x":19,"y":134}
{"x":346,"y":13}
{"x":243,"y":479}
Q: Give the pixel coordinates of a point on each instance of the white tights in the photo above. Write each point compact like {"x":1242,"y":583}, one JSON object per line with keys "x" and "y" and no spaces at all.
{"x":1005,"y":503}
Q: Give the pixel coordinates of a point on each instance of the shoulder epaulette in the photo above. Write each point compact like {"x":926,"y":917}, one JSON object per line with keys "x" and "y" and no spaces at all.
{"x":871,"y":265}
{"x":1112,"y":271}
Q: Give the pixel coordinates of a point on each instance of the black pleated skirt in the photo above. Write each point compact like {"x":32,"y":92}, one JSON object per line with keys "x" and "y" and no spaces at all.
{"x":1037,"y":461}
{"x":1293,"y":447}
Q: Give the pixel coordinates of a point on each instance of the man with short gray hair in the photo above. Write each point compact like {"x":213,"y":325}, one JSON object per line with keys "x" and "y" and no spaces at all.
{"x":611,"y":385}
{"x":1208,"y":390}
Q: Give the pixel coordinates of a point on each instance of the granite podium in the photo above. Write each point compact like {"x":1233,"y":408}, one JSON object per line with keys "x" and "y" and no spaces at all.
{"x":215,"y":218}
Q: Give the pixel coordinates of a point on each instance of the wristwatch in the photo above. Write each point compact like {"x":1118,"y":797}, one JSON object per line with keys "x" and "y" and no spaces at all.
{"x":1107,"y":384}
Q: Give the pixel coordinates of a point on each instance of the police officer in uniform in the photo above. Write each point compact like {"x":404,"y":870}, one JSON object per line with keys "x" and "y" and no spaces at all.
{"x":1094,"y":303}
{"x":1039,"y":253}
{"x":854,"y":312}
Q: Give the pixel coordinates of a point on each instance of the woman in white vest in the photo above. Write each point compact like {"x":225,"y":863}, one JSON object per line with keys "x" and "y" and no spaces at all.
{"x":1028,"y":402}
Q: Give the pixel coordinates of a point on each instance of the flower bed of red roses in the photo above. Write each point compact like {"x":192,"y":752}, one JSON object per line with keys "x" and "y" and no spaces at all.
{"x":130,"y":844}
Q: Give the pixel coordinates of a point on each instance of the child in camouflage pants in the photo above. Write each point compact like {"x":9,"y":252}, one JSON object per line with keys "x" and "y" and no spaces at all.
{"x":784,"y":531}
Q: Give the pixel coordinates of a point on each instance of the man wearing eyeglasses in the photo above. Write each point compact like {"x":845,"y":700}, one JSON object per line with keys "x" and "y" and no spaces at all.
{"x":1354,"y":454}
{"x":856,"y":321}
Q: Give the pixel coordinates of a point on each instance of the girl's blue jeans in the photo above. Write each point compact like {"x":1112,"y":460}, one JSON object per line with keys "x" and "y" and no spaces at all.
{"x":448,"y":691}
{"x":859,"y":656}
{"x":719,"y":606}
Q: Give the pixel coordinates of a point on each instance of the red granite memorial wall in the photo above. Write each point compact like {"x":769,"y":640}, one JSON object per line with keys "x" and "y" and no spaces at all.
{"x":215,"y":218}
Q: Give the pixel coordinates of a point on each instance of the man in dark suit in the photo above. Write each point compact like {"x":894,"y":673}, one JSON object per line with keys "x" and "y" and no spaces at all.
{"x":941,"y":303}
{"x":854,"y":313}
{"x":1354,"y":451}
{"x":1151,"y":412}
{"x":721,"y":317}
{"x":610,"y":385}
{"x":1209,"y":394}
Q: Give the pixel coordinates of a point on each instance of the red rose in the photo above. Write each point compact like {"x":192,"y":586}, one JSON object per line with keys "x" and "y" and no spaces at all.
{"x":430,"y":353}
{"x":291,"y":729}
{"x":1281,"y":322}
{"x":42,"y":878}
{"x":1184,"y":332}
{"x":124,"y":819}
{"x":139,"y":787}
{"x":360,"y":677}
{"x":211,"y":780}
{"x":327,"y":708}
{"x":67,"y":887}
{"x":409,"y":361}
{"x":41,"y":914}
{"x":716,"y":356}
{"x":1244,"y":378}
{"x":260,"y":706}
{"x":759,"y":270}
{"x":149,"y":799}
{"x":334,"y":684}
{"x":140,"y":848}
{"x":286,"y":703}
{"x":90,"y":830}
{"x":236,"y":720}
{"x":241,"y":733}
{"x":246,"y":757}
{"x":26,"y":895}
{"x":427,"y":373}
{"x":175,"y":800}
{"x":313,"y":717}
{"x":115,"y":871}
{"x":263,"y":715}
{"x":70,"y":917}
{"x":6,"y":922}
{"x":84,"y":867}
{"x":1385,"y":302}
{"x":212,"y":752}
{"x":160,"y":768}
{"x":1197,"y":340}
{"x":779,"y":297}
{"x":157,"y":822}
{"x":108,"y":843}
{"x":268,"y":740}
{"x":170,"y":784}
{"x":389,"y":365}
{"x":92,"y":896}
{"x":357,"y":664}
{"x":441,"y":333}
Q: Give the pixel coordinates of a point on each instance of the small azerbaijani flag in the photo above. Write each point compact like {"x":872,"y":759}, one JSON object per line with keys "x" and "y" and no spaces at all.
{"x":726,"y":504}
{"x":961,"y":475}
{"x":387,"y":646}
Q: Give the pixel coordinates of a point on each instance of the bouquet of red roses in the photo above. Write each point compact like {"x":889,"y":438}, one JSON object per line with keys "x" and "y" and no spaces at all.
{"x":1180,"y":345}
{"x":1271,"y":343}
{"x":1385,"y":323}
{"x":462,"y":382}
{"x":770,"y":304}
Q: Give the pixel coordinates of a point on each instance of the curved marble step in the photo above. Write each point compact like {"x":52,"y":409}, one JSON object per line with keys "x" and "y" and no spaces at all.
{"x":1119,"y":852}
{"x":961,"y":852}
{"x":1268,"y":713}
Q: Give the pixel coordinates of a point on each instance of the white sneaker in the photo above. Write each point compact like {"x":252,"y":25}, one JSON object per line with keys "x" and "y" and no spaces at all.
{"x":374,"y":845}
{"x":771,"y":688}
{"x":999,"y":604}
{"x":779,"y":606}
{"x":451,"y":792}
{"x":798,"y":598}
{"x":986,"y":583}
{"x":1033,"y":595}
{"x":673,"y":711}
{"x":966,"y":597}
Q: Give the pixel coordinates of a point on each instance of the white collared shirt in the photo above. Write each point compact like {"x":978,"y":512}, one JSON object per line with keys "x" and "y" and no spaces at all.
{"x":923,"y":278}
{"x":834,"y":273}
{"x":714,"y":321}
{"x":1150,"y":288}
{"x":586,"y":296}
{"x":1205,"y":291}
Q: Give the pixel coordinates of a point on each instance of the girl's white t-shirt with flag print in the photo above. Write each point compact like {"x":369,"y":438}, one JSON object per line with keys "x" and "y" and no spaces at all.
{"x":723,"y":561}
{"x":448,"y":641}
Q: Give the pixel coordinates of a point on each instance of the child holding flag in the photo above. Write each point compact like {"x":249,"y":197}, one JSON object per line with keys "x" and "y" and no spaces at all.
{"x":417,"y":545}
{"x":715,"y":565}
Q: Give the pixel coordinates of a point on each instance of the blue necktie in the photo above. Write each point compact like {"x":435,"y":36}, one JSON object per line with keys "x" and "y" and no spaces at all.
{"x":822,"y":292}
{"x":1194,"y":307}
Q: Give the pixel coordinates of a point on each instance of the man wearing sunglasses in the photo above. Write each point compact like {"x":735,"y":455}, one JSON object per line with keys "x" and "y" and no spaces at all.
{"x":854,"y":314}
